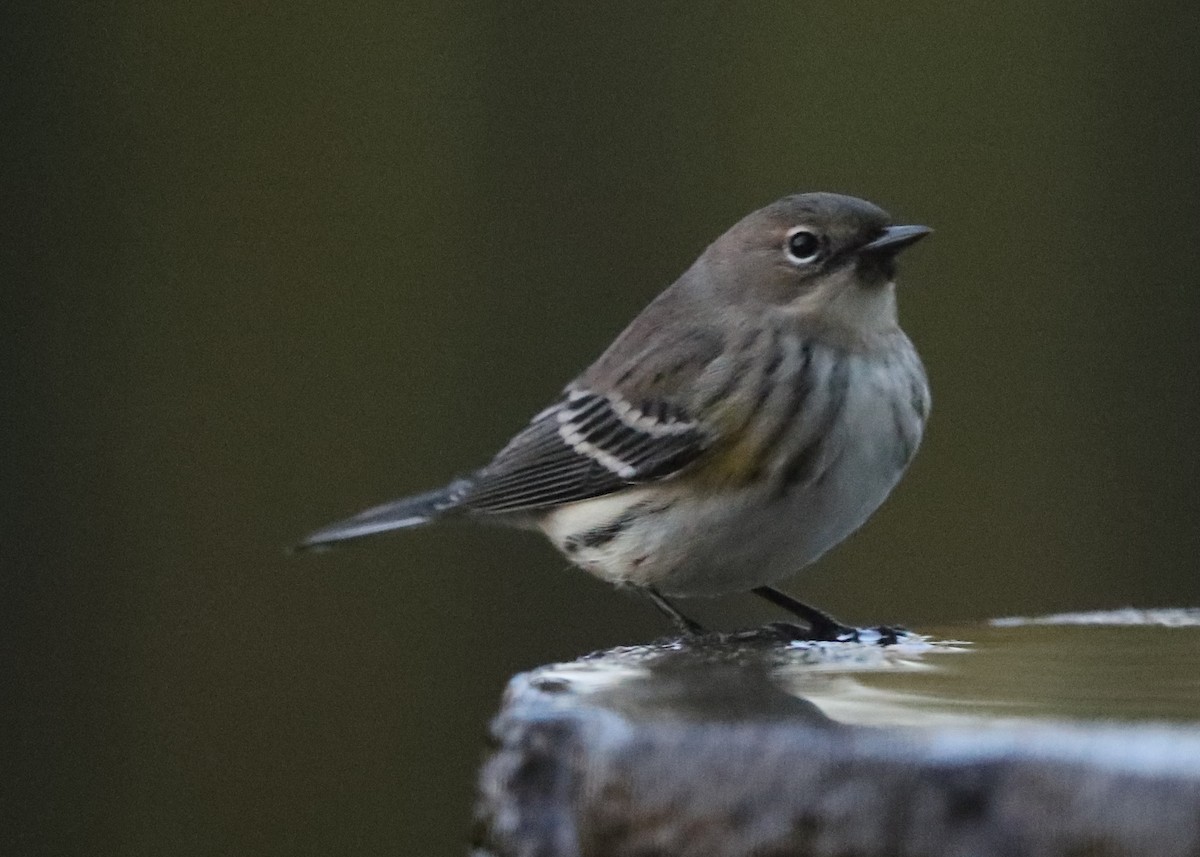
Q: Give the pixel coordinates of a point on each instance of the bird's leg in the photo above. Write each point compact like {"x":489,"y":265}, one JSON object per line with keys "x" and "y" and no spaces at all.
{"x":687,"y":627}
{"x":824,"y":626}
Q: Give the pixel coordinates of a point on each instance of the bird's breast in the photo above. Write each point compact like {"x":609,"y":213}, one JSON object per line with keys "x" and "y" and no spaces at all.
{"x":827,"y":440}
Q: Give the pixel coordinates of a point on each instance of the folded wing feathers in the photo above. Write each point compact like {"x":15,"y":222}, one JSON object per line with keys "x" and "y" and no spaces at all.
{"x":588,"y":445}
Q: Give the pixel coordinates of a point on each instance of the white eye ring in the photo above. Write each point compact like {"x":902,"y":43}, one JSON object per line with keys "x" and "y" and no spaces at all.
{"x":802,"y":246}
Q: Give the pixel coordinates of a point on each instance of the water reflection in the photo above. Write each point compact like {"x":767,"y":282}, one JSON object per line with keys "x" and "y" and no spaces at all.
{"x":960,"y":676}
{"x":750,"y":677}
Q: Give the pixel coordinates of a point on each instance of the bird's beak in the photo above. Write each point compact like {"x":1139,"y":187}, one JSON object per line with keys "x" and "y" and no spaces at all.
{"x":895,"y":238}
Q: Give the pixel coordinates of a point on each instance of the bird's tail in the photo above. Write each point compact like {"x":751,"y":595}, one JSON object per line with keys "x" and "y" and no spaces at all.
{"x":396,"y":515}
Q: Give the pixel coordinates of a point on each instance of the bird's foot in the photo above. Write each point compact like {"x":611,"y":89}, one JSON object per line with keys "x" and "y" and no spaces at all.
{"x":824,"y":628}
{"x":836,"y":632}
{"x":877,"y":635}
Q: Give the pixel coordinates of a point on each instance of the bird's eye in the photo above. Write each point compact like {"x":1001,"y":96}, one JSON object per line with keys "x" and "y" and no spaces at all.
{"x":803,"y":247}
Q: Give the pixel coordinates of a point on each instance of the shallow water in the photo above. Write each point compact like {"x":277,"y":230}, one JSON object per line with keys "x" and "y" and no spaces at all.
{"x":1073,"y":672}
{"x":1088,"y":670}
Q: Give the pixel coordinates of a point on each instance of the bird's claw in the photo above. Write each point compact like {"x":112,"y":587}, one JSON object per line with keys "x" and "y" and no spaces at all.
{"x":835,"y":632}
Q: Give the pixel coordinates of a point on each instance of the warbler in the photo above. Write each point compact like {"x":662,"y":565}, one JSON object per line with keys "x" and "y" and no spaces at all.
{"x":749,"y":419}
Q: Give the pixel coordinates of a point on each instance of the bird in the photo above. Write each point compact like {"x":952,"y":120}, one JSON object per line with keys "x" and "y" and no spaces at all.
{"x":751,"y":417}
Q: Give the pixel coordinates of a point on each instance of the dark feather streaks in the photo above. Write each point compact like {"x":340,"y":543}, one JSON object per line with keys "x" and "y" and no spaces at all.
{"x":800,"y":389}
{"x":803,"y":467}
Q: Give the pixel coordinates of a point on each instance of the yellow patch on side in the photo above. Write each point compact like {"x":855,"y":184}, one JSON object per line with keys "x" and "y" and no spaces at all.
{"x":736,"y":460}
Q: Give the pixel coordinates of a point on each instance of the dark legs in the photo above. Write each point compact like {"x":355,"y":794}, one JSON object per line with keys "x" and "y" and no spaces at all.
{"x":687,"y":627}
{"x":824,"y":626}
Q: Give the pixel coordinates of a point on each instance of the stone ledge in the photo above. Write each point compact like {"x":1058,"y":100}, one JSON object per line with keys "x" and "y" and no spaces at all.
{"x":705,"y":750}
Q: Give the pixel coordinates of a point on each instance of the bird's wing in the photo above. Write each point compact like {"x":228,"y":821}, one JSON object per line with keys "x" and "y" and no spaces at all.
{"x":586,"y":445}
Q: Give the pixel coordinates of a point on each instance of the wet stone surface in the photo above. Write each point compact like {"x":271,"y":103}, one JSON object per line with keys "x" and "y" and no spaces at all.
{"x":1033,"y":738}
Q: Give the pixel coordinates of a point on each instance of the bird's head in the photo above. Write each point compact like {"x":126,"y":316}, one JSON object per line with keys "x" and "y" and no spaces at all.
{"x":826,"y":259}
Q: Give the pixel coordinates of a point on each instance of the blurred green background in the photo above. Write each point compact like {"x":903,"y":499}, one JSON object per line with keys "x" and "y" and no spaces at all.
{"x":267,"y":265}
